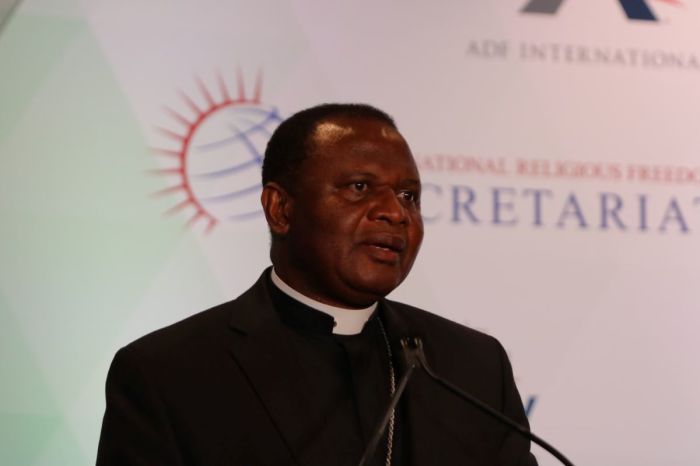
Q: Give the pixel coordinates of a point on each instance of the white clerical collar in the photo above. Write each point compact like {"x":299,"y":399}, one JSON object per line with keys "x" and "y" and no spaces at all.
{"x":347,"y":321}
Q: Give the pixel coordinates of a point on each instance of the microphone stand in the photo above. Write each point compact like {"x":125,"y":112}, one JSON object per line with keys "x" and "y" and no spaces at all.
{"x":412,"y":349}
{"x":412,"y":362}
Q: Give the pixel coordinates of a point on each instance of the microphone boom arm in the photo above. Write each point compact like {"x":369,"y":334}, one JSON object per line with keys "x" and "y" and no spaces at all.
{"x":417,"y":344}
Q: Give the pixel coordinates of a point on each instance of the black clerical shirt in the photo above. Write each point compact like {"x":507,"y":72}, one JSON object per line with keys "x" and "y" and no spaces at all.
{"x":350,"y":379}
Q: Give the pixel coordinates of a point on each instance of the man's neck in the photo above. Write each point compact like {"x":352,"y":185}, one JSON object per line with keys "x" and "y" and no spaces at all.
{"x":347,"y":321}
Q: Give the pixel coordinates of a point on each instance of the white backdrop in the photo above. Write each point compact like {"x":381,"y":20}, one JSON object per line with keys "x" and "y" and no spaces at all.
{"x":559,"y":154}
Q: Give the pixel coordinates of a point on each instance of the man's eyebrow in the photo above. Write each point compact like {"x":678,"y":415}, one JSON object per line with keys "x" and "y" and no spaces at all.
{"x":370,"y":175}
{"x":411,"y":182}
{"x":364,"y":174}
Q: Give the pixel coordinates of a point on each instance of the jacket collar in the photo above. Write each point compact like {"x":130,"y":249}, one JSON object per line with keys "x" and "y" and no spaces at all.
{"x":256,"y":312}
{"x":262,"y":348}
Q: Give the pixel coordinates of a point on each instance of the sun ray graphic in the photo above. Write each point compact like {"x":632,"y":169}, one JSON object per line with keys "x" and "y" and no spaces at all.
{"x":213,"y":151}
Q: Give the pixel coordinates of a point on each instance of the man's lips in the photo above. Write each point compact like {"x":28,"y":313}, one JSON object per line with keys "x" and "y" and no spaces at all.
{"x":385,"y":247}
{"x":386,"y":241}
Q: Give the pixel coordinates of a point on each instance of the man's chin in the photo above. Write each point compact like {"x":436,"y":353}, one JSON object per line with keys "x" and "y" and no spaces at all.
{"x":372,"y":288}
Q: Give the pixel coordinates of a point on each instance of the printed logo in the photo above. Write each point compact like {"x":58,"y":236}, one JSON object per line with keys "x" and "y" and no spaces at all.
{"x":219,"y":142}
{"x":634,"y":9}
{"x":530,"y":405}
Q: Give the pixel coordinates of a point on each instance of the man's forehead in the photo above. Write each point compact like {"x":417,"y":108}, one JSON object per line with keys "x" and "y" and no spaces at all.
{"x":327,"y":132}
{"x":335,"y":129}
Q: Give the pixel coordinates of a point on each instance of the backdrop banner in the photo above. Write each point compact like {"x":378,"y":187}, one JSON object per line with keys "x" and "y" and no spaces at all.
{"x":558,"y":145}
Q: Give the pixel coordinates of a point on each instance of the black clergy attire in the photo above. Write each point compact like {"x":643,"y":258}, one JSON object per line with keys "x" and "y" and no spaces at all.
{"x":262,"y":380}
{"x":349,"y":377}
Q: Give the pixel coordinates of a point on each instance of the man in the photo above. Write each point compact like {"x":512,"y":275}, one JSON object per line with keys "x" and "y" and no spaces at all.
{"x":299,"y":369}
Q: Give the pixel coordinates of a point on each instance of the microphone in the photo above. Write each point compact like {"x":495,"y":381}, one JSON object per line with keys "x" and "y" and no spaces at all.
{"x":419,"y":358}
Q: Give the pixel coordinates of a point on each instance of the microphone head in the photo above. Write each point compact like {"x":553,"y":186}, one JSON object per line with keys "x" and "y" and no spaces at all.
{"x":411,"y":349}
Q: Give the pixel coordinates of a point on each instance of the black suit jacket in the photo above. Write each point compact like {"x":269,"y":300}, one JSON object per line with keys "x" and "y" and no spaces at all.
{"x":224,"y":387}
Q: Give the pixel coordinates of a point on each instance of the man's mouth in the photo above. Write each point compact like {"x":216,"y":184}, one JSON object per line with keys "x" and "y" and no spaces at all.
{"x":386,"y":248}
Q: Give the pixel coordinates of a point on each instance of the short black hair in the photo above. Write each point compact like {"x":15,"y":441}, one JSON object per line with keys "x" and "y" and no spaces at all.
{"x":291,"y":142}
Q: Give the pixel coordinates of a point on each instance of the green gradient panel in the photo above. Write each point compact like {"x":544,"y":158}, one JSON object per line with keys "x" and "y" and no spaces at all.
{"x":29,"y":47}
{"x":29,"y":415}
{"x":82,"y":239}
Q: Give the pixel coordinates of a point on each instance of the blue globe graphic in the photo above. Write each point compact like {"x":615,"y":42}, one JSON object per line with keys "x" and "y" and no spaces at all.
{"x":224,"y":159}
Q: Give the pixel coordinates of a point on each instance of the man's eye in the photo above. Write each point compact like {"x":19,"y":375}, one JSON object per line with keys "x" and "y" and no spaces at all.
{"x":359,"y":186}
{"x":409,"y":196}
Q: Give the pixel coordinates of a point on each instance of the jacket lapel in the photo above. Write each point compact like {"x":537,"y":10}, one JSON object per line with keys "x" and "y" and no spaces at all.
{"x":414,"y":427}
{"x":427,"y":429}
{"x":262,"y":349}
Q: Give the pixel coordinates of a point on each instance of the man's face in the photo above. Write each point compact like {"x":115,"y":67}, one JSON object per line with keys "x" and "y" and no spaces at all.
{"x":355,"y":225}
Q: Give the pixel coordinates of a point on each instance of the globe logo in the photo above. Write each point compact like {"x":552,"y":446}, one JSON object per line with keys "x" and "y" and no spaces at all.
{"x":220,"y":145}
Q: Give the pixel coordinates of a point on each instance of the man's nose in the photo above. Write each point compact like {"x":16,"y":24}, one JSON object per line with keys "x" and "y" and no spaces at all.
{"x":387,"y":206}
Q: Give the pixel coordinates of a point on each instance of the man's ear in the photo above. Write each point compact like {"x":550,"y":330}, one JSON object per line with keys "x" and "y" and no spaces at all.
{"x":277,"y":205}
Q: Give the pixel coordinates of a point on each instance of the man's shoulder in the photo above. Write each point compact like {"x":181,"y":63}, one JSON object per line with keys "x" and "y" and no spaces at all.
{"x":203,"y":329}
{"x":198,"y":330}
{"x":432,"y":325}
{"x":453,"y":349}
